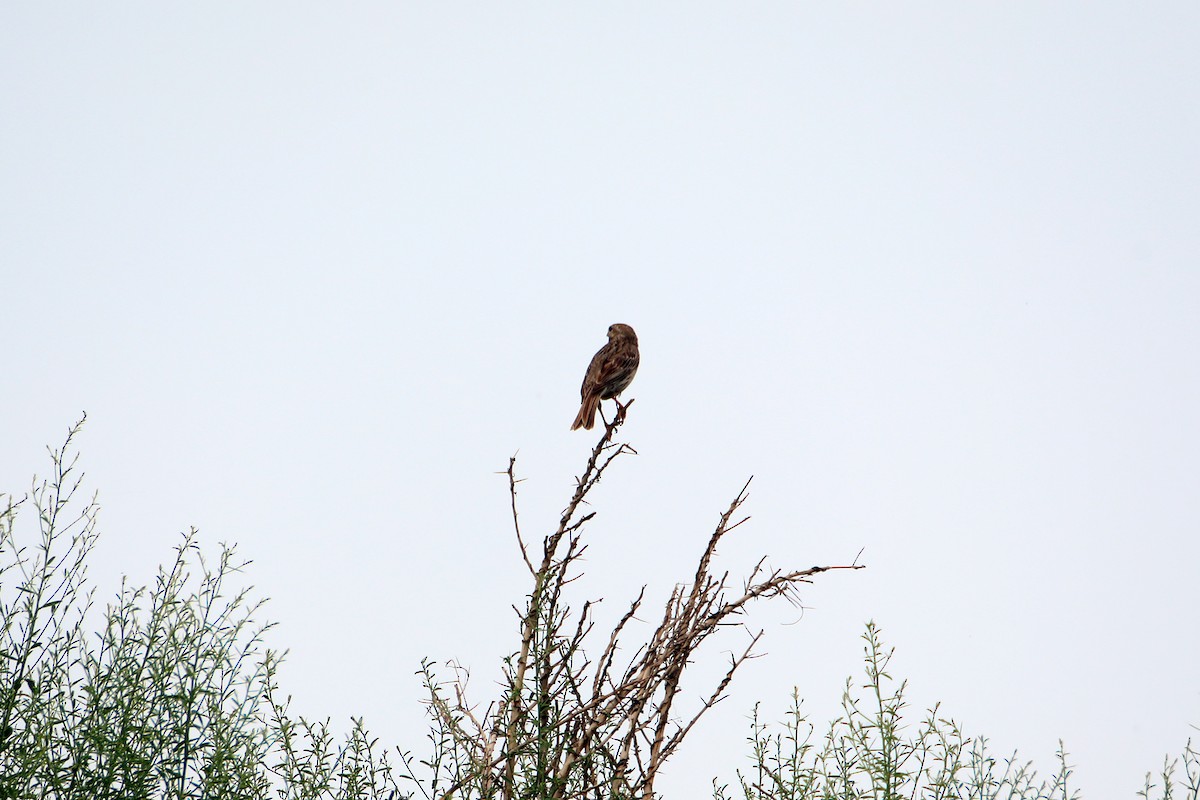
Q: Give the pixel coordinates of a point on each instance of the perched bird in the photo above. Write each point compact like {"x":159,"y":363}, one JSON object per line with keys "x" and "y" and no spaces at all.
{"x":610,"y":373}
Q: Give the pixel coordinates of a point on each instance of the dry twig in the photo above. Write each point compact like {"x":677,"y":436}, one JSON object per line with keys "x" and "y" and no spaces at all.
{"x":569,"y":727}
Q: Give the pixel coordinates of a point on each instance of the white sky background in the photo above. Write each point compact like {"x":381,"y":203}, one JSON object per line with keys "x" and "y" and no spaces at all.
{"x":931,"y":273}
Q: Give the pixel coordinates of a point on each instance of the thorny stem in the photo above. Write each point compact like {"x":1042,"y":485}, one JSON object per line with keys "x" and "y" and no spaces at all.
{"x":584,"y":716}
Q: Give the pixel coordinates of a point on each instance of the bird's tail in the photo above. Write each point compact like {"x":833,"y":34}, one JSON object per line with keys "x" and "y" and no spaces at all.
{"x":586,"y":418}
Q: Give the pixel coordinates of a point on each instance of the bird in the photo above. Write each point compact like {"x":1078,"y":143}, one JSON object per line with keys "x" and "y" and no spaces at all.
{"x":610,"y":373}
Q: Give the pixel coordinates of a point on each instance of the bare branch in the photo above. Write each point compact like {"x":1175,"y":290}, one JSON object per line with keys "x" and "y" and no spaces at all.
{"x":512,"y":493}
{"x":568,"y":726}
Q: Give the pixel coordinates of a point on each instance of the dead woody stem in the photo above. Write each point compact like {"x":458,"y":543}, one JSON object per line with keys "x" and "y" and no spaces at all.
{"x":570,"y":727}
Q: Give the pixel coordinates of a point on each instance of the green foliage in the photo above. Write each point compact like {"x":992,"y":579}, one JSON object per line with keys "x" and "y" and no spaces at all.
{"x":868,"y":753}
{"x":168,"y":691}
{"x":174,"y":697}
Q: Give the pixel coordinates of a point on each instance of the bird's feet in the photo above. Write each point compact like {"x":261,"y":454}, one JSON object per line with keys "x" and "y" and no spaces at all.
{"x":620,"y":416}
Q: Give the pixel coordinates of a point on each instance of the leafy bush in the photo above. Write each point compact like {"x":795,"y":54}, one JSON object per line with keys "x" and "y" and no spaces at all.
{"x":175,"y":697}
{"x":175,"y":694}
{"x":867,"y":753}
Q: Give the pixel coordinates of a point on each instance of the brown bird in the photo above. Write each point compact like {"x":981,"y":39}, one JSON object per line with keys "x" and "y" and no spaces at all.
{"x":610,"y":373}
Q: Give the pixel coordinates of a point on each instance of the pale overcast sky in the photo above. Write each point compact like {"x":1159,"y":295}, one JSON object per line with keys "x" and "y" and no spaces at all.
{"x":930,"y":272}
